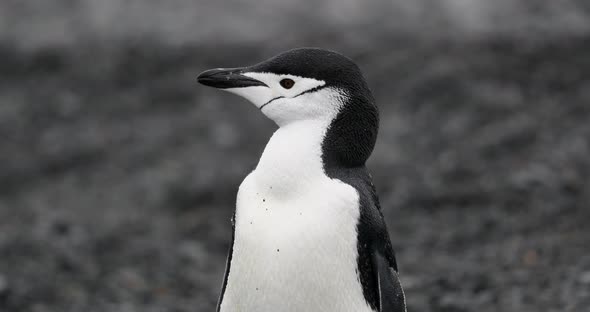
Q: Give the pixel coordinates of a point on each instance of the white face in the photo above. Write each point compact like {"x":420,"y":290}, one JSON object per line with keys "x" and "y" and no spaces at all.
{"x":304,"y":99}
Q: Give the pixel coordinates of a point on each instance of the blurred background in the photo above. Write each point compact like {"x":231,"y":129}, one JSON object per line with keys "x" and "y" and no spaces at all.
{"x":118,"y":172}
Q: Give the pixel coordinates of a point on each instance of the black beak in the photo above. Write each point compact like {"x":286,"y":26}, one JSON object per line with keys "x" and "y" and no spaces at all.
{"x":224,"y":78}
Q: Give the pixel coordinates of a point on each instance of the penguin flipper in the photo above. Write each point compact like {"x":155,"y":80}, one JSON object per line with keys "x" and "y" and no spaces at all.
{"x":228,"y":262}
{"x":391,"y":295}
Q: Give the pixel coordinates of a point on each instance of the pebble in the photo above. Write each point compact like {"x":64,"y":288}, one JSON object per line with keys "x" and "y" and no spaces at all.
{"x":4,"y":287}
{"x":3,"y":283}
{"x":584,"y":278}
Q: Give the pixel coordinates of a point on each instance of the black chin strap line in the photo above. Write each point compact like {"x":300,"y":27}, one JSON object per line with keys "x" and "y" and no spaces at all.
{"x":300,"y":94}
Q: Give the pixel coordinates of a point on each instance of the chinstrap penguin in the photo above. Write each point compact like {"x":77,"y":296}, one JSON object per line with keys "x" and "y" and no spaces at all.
{"x":308,"y":232}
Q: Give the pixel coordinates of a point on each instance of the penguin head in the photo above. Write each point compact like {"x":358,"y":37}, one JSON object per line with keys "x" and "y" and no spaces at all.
{"x":309,"y":84}
{"x":300,"y":84}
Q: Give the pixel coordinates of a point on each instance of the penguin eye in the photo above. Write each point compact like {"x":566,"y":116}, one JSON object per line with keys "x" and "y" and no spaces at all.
{"x":287,"y":83}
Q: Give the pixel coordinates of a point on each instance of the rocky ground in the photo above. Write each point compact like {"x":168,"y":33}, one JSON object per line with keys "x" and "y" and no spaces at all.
{"x":118,"y":173}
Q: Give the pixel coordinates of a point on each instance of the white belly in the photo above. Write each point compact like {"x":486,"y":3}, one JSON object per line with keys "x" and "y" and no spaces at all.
{"x":295,"y":253}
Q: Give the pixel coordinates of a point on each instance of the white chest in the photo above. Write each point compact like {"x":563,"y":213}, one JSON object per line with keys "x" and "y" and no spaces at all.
{"x":295,"y":246}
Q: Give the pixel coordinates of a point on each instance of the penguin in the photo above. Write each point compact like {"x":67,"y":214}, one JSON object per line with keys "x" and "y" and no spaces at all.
{"x":308,"y":232}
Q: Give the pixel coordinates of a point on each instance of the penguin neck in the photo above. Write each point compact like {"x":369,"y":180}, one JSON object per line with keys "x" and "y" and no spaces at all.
{"x":302,"y":153}
{"x":351,"y":136}
{"x":292,"y":159}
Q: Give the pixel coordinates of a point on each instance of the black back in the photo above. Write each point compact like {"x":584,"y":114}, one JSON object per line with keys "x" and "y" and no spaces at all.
{"x":377,"y":267}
